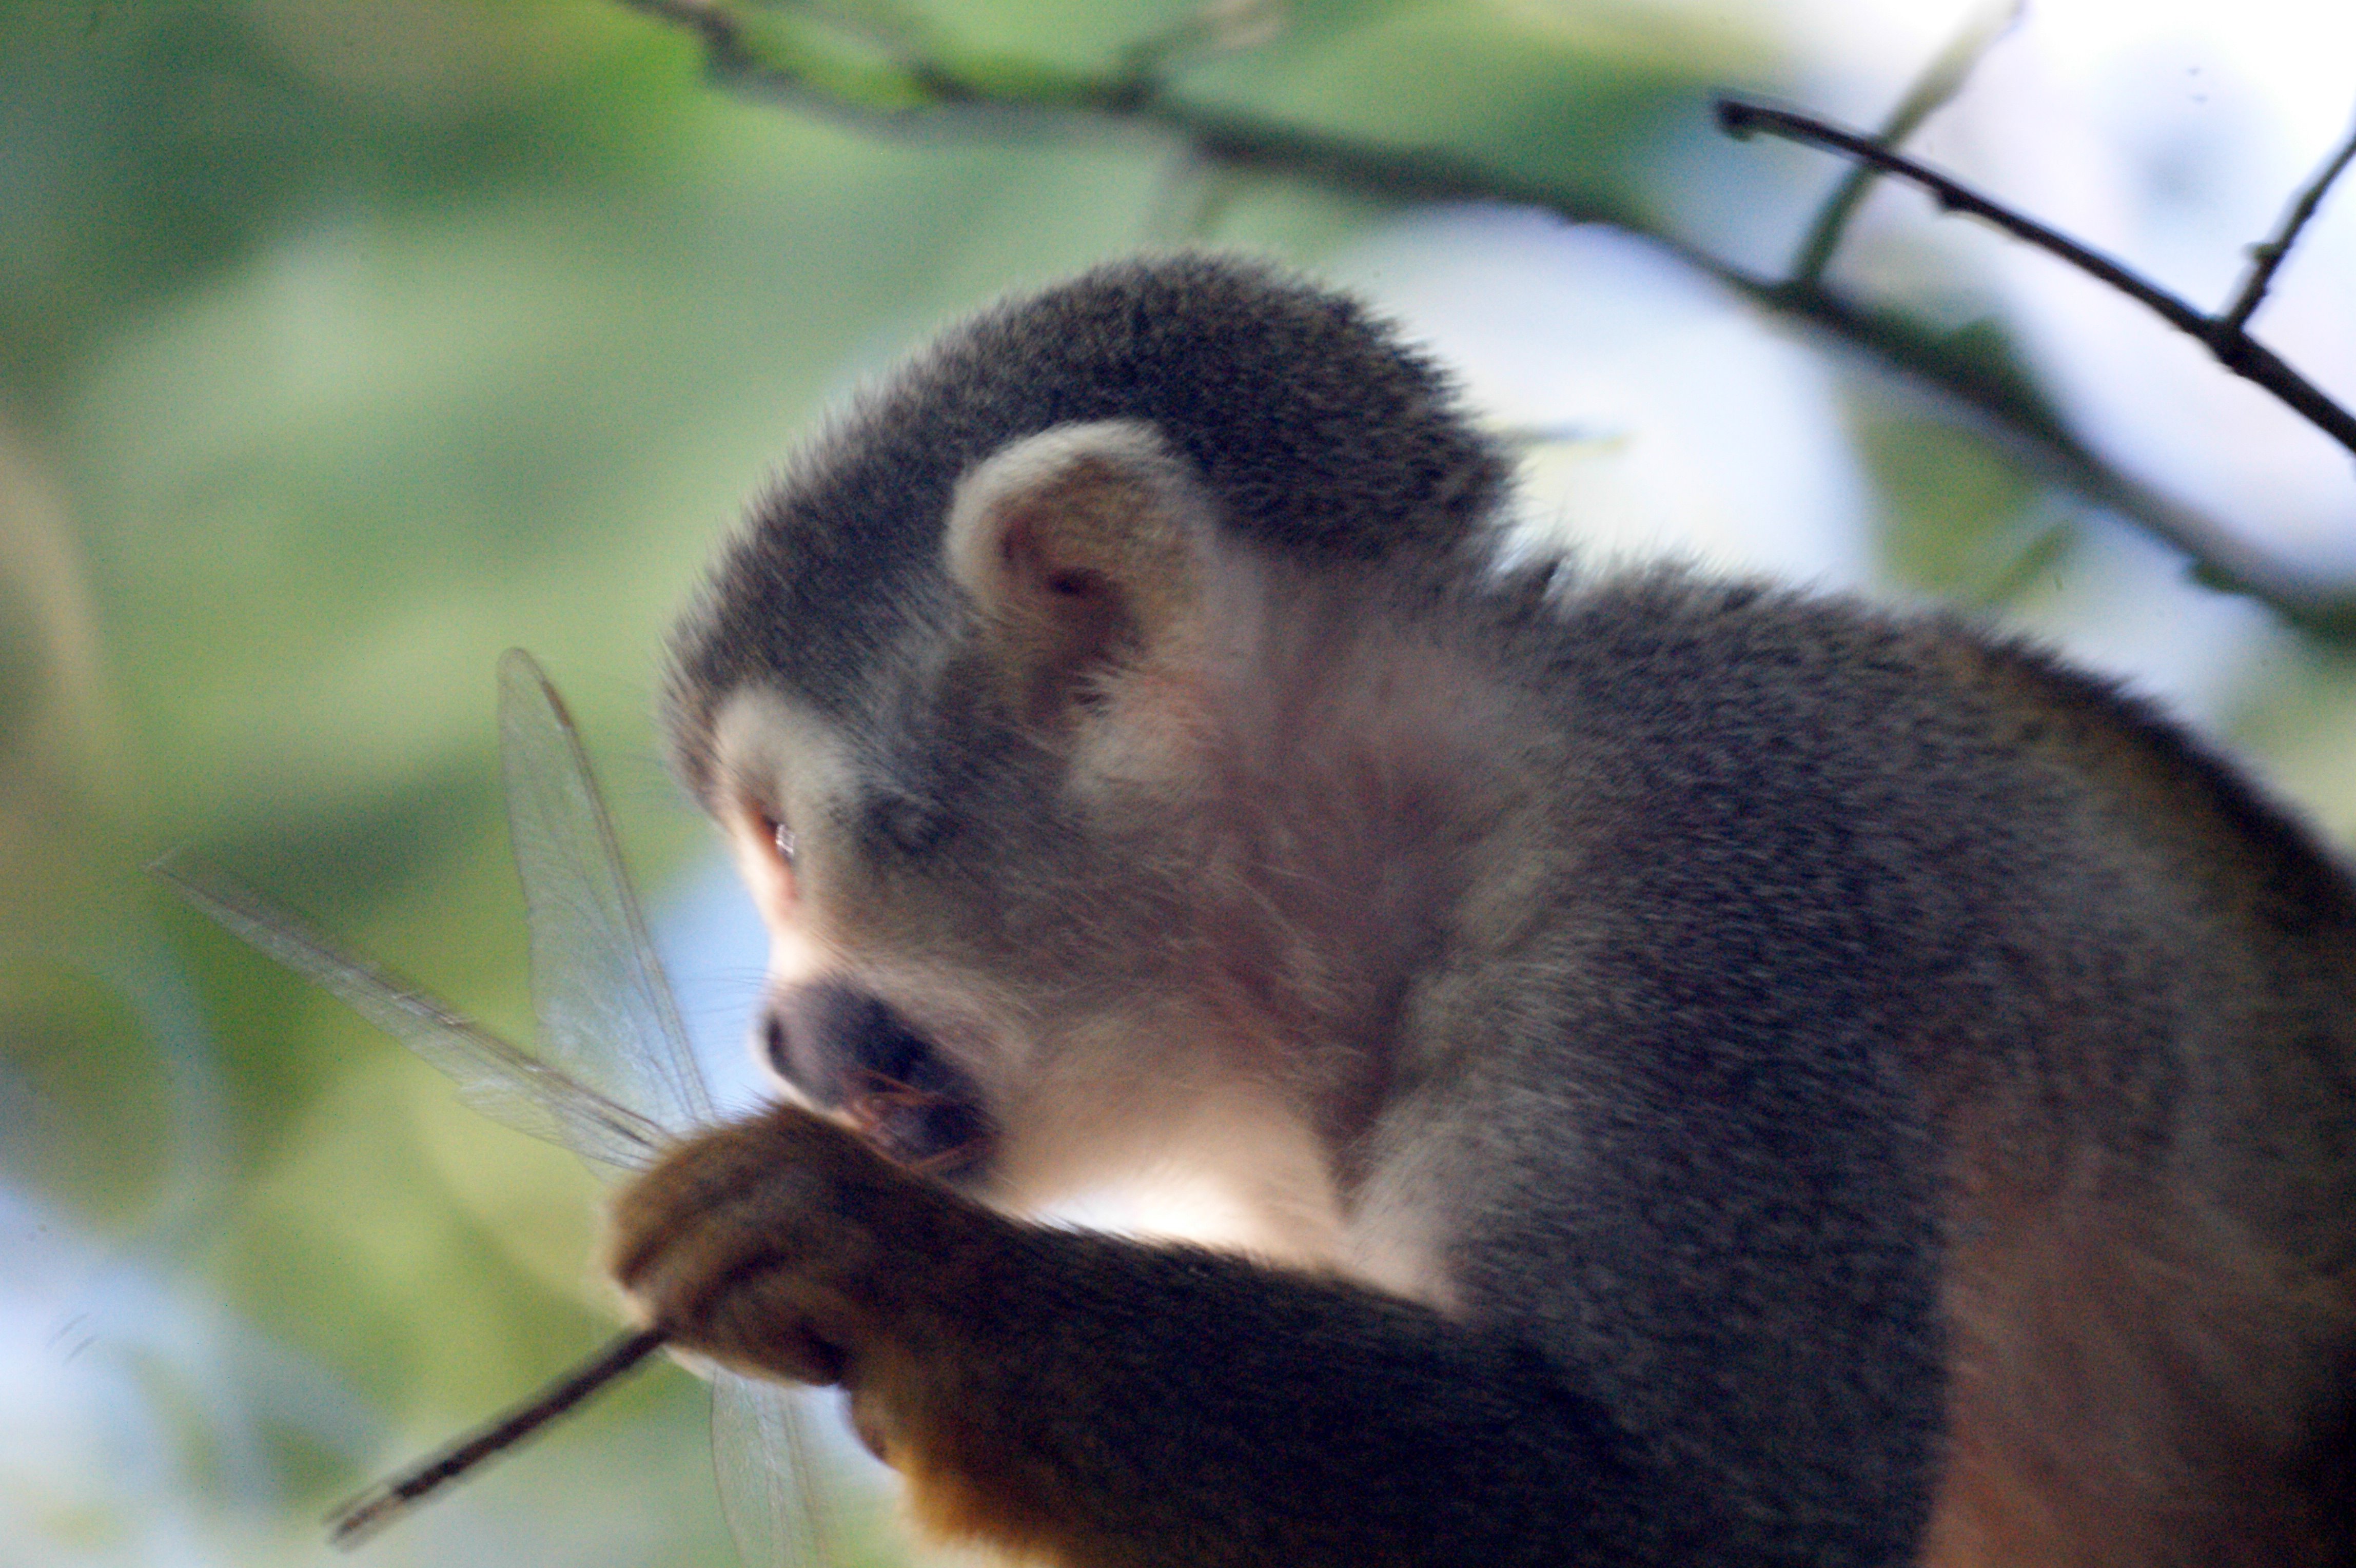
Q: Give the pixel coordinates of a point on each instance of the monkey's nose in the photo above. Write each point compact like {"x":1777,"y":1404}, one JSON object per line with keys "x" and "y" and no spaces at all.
{"x":775,"y":1044}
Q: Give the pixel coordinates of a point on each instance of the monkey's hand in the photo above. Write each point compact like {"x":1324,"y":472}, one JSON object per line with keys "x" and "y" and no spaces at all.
{"x":1109,"y":1405}
{"x":785,"y":1246}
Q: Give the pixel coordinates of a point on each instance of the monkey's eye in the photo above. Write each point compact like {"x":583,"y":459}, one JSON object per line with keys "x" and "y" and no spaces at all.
{"x":774,"y":832}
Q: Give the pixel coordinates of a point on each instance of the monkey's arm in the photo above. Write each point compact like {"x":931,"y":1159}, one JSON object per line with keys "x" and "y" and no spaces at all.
{"x":1108,"y":1404}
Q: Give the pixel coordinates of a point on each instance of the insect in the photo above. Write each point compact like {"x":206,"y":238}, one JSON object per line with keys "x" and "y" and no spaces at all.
{"x":613,"y":1079}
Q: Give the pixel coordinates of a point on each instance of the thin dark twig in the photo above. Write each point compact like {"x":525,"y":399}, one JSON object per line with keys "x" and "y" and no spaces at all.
{"x":1741,"y":119}
{"x":2266,"y":258}
{"x":1933,"y":91}
{"x":375,"y":1508}
{"x":2236,"y":350}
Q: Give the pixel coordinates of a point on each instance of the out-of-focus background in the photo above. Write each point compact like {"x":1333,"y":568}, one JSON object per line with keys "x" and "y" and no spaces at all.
{"x":343,"y":345}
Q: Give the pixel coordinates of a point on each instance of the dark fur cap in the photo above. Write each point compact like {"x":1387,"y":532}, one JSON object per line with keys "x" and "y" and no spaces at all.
{"x":1314,"y":428}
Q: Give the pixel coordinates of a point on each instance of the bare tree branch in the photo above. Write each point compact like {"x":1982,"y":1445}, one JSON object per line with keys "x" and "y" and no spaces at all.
{"x":2234,"y":348}
{"x":2265,"y":258}
{"x":900,"y":86}
{"x":2012,"y":415}
{"x":1938,"y":84}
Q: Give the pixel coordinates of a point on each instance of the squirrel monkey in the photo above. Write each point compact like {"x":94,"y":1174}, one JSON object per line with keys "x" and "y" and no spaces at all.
{"x":1716,"y":1074}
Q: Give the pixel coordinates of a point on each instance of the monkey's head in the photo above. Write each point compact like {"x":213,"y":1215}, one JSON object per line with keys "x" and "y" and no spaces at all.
{"x":1007,"y":701}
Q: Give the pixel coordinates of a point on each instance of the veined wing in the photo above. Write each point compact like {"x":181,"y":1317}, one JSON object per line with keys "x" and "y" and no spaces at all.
{"x":606,"y":1016}
{"x":606,"y":1013}
{"x":766,"y":1458}
{"x":613,"y":1032}
{"x":503,"y":1081}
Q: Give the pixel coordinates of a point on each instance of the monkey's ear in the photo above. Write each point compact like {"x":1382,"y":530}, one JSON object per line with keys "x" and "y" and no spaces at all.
{"x":1086,"y":548}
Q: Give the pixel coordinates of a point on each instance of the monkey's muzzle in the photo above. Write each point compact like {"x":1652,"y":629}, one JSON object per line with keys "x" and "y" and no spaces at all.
{"x":848,"y":1050}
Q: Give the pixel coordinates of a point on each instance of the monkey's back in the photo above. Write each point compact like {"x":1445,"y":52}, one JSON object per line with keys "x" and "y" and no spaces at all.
{"x":1888,"y":962}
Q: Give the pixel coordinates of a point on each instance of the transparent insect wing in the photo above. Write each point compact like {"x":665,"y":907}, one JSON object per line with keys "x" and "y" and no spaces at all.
{"x":768,"y":1464}
{"x":620,"y":1083}
{"x":498,"y":1078}
{"x":606,"y":1016}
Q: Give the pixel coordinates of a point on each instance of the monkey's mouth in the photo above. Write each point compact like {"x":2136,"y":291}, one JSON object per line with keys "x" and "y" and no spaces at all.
{"x":931,"y":1121}
{"x":851,"y":1051}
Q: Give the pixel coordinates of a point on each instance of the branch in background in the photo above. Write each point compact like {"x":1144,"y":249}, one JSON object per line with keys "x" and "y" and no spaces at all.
{"x":2267,"y":257}
{"x":899,"y":85}
{"x":990,"y":95}
{"x":2017,"y":419}
{"x":2234,"y":348}
{"x":1933,"y":91}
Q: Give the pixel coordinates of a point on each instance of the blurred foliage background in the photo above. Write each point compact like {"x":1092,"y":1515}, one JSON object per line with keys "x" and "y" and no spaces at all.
{"x":344,"y":344}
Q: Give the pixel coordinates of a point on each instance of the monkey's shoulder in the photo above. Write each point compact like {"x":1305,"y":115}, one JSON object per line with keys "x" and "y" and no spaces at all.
{"x":1780,"y":705}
